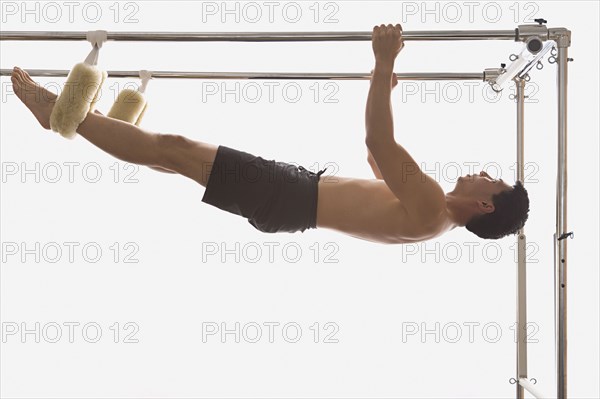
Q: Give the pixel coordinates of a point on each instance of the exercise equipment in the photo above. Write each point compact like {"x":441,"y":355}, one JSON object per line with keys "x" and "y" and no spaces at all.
{"x":532,"y":36}
{"x":130,"y":105}
{"x":81,"y":90}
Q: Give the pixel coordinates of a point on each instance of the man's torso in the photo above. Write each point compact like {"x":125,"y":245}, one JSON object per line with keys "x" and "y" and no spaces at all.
{"x":369,"y":210}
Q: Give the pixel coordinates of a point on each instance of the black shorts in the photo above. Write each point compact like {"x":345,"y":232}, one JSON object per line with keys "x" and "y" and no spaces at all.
{"x":274,"y":196}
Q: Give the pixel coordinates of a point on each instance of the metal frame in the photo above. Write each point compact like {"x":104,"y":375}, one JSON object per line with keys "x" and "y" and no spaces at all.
{"x":560,"y":244}
{"x":521,"y":246}
{"x":524,"y":33}
{"x":263,"y":36}
{"x":481,"y":76}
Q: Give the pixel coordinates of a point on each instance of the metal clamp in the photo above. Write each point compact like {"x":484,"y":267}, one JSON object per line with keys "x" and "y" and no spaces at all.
{"x":570,"y":234}
{"x":514,"y":381}
{"x":514,"y":97}
{"x":526,"y":32}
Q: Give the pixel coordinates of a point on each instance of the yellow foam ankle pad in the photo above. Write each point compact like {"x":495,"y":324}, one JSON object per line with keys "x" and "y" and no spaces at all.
{"x":97,"y":95}
{"x":129,"y":106}
{"x":79,"y":96}
{"x":139,"y":119}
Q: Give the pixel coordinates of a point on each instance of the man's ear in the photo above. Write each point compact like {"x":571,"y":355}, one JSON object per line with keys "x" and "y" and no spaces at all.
{"x":486,"y":206}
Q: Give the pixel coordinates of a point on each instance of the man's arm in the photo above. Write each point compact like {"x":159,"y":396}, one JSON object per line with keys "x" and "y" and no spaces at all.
{"x":373,"y":165}
{"x":370,"y":158}
{"x":394,"y":164}
{"x":398,"y":169}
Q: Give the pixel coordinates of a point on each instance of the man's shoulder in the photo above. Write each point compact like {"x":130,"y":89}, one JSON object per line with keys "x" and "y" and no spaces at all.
{"x":425,"y":197}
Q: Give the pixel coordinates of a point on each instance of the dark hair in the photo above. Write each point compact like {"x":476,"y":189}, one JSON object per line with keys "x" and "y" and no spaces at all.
{"x":510,"y":215}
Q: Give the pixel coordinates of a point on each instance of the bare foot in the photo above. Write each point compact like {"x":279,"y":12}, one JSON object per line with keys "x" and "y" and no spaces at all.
{"x":39,"y":100}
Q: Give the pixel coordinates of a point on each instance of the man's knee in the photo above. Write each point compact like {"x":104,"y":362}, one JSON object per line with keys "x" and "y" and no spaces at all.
{"x":172,"y":150}
{"x":187,"y":157}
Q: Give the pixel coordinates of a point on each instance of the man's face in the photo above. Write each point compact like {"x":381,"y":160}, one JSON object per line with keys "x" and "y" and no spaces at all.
{"x":481,"y":186}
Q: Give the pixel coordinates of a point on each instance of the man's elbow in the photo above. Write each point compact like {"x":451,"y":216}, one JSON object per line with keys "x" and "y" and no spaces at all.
{"x":370,"y":141}
{"x":375,"y":142}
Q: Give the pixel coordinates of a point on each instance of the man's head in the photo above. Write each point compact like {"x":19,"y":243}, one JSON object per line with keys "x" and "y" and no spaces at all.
{"x":493,"y":209}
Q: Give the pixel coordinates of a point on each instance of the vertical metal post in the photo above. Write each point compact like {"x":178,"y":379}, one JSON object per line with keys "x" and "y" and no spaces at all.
{"x":521,"y":247}
{"x":560,"y":242}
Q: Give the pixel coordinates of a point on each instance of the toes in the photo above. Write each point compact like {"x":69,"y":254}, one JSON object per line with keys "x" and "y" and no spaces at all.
{"x":26,"y":76}
{"x":20,"y":72}
{"x":14,"y":78}
{"x":25,"y":80}
{"x":18,"y":76}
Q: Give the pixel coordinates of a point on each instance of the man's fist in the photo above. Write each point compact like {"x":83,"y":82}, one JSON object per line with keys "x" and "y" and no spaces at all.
{"x":387,"y":42}
{"x":394,"y":80}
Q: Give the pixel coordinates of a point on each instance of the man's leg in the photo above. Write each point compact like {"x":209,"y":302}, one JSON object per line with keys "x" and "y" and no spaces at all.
{"x":157,"y":168}
{"x":122,"y":140}
{"x":132,"y":144}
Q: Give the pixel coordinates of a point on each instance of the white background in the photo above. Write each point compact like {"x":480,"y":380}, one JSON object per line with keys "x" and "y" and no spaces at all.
{"x":370,"y":292}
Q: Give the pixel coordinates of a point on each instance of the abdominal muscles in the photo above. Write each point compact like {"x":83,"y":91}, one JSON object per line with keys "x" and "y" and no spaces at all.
{"x":362,"y":208}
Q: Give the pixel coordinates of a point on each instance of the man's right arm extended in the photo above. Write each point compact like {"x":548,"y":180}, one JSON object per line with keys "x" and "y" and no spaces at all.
{"x":399,"y":170}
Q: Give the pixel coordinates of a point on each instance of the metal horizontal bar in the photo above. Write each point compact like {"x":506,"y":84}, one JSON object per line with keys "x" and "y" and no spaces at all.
{"x":263,"y":36}
{"x":524,"y":382}
{"x":262,"y":75}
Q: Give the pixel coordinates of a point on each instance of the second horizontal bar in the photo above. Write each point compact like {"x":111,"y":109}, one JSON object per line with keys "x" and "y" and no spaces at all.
{"x":263,"y":75}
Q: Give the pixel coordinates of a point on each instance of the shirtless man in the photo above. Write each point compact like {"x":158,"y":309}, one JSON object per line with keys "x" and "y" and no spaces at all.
{"x":402,"y":205}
